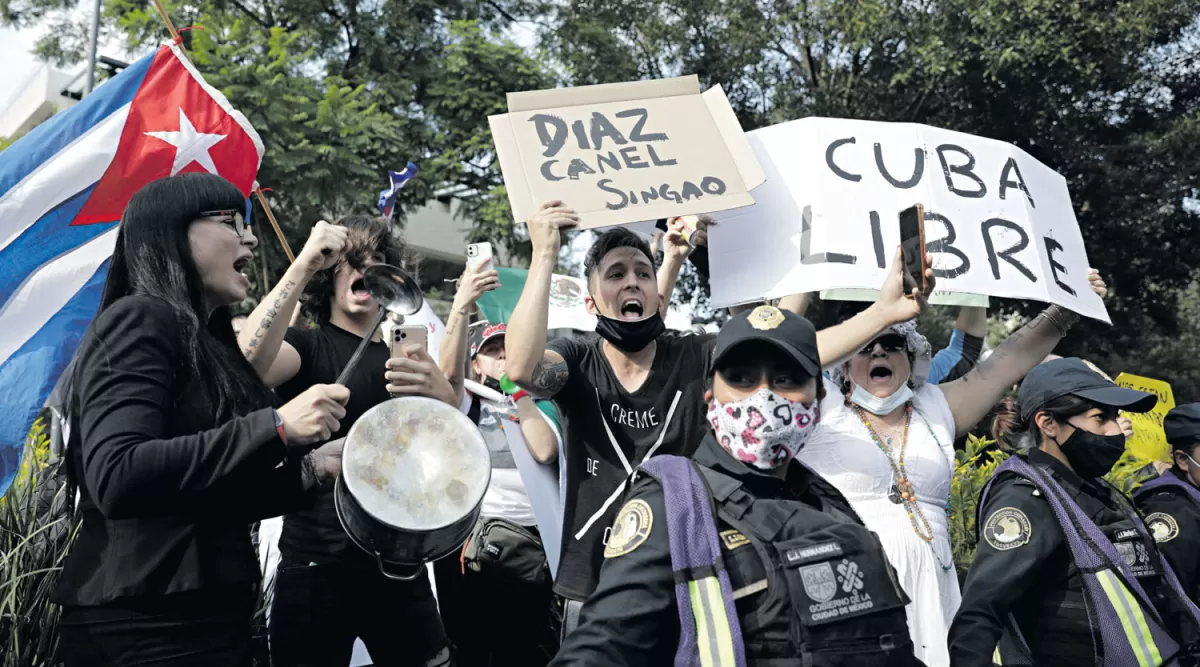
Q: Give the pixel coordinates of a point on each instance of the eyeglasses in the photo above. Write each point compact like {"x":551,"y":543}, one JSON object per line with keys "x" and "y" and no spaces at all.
{"x":889,"y":342}
{"x":229,"y":217}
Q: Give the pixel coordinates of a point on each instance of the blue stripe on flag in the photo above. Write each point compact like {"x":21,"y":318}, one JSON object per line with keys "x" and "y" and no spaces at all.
{"x":28,"y":377}
{"x":45,"y":240}
{"x":29,"y":152}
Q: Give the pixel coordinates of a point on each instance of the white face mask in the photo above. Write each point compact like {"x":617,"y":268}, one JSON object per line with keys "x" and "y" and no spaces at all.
{"x":763,"y":430}
{"x":1193,"y":470}
{"x":880,"y":406}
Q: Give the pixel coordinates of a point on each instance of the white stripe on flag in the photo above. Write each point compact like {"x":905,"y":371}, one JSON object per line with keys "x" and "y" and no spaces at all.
{"x":75,"y":167}
{"x":48,"y":289}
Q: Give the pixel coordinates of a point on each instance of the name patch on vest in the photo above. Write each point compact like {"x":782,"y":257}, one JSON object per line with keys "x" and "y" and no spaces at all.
{"x":1126,"y":534}
{"x":807,"y":554}
{"x":733,"y":539}
{"x":1162,"y":526}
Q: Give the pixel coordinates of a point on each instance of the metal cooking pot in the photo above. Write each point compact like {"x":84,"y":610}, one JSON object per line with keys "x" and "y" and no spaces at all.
{"x":414,"y":471}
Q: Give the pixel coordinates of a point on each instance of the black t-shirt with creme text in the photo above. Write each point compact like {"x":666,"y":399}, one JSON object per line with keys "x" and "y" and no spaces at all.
{"x":316,"y":535}
{"x":603,"y":424}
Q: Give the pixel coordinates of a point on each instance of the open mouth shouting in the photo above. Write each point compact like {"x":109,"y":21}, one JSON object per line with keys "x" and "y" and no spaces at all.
{"x":880,"y":373}
{"x":240,"y":265}
{"x":358,"y":291}
{"x":632,"y":308}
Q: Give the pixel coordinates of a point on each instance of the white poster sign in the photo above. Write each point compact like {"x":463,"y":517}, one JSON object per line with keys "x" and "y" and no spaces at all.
{"x":997,"y":221}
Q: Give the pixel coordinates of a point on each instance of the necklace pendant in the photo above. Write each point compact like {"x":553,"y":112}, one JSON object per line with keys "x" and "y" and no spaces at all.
{"x":894,"y":495}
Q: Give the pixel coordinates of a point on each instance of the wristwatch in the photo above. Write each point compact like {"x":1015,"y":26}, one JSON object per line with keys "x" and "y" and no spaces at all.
{"x":279,"y":427}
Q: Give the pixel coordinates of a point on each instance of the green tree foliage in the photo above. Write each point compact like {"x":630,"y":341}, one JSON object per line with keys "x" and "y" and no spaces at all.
{"x":341,"y":91}
{"x":1106,"y":93}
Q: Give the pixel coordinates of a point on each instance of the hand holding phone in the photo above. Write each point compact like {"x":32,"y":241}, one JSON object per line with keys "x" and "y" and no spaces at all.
{"x":912,"y":246}
{"x":479,"y":254}
{"x":408,"y":334}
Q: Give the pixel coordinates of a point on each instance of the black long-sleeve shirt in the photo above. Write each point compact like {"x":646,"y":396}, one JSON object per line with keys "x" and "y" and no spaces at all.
{"x":166,"y":493}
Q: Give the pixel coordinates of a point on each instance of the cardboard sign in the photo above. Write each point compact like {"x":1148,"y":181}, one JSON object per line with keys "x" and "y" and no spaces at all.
{"x":1149,"y":440}
{"x":625,"y":152}
{"x":997,"y":222}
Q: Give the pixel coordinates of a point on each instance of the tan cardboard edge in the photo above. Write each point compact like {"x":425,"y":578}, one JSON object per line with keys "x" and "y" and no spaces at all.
{"x":628,"y":91}
{"x":656,"y":211}
{"x":734,"y":137}
{"x":520,"y":196}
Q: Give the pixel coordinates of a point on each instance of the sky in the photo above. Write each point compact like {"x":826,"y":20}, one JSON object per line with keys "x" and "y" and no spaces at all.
{"x":15,"y":46}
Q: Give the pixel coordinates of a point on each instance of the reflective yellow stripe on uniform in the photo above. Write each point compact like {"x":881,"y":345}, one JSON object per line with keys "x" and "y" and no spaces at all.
{"x":714,"y":639}
{"x":996,"y":656}
{"x":1133,"y":620}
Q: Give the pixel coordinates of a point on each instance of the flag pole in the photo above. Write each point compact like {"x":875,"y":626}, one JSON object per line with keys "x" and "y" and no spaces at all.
{"x":287,"y":250}
{"x":95,"y":38}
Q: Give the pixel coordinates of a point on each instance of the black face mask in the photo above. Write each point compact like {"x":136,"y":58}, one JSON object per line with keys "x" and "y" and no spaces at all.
{"x":630,"y":337}
{"x":493,"y":384}
{"x":1091,"y":455}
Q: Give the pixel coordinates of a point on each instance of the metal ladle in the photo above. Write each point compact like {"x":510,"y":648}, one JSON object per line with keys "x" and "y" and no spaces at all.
{"x":396,"y":292}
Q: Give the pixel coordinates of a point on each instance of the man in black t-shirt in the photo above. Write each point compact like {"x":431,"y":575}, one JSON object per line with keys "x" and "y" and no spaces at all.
{"x":327,"y":590}
{"x":636,"y":390}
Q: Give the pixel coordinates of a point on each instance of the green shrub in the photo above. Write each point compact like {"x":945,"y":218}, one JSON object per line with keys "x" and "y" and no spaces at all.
{"x":35,"y":534}
{"x":973,"y":467}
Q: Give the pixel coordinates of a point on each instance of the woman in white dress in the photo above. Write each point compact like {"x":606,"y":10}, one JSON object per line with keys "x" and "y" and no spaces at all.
{"x":886,"y":441}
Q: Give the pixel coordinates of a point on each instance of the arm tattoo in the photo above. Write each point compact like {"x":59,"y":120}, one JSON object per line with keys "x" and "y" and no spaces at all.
{"x":268,"y":320}
{"x":548,"y":378}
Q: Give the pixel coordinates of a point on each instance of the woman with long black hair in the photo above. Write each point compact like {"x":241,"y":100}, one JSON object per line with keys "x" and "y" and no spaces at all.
{"x":175,"y":444}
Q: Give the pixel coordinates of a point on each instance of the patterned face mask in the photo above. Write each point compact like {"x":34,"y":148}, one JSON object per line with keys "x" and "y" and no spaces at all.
{"x":764,"y":430}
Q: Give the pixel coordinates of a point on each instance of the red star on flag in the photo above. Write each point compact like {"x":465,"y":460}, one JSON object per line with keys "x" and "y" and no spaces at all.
{"x":175,"y":125}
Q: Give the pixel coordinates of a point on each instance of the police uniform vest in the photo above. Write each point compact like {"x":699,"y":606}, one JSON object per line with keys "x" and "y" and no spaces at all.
{"x":809,"y":584}
{"x":1168,"y":482}
{"x":1117,"y":610}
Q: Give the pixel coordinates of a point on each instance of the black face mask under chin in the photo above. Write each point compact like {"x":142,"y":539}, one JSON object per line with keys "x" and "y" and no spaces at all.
{"x":1091,"y":455}
{"x":627,"y":336}
{"x":493,"y":384}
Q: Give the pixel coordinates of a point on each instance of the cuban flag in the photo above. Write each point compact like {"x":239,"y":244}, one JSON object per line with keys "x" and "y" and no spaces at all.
{"x":387,"y":198}
{"x":63,"y":188}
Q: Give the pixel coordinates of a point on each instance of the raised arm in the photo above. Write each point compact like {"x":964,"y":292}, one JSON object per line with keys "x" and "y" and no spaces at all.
{"x":675,"y":252}
{"x":896,"y":304}
{"x":971,"y":397}
{"x":966,"y":342}
{"x":453,"y":358}
{"x":261,"y":338}
{"x":973,"y":321}
{"x":540,"y":436}
{"x":526,"y":360}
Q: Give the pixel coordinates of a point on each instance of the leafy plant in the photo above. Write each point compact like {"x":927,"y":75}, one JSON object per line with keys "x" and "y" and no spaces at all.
{"x":36,"y":530}
{"x":973,"y":468}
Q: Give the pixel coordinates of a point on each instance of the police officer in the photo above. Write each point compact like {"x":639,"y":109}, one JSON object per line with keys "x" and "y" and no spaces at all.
{"x":746,"y":552}
{"x":1171,"y":503}
{"x":1066,"y":573}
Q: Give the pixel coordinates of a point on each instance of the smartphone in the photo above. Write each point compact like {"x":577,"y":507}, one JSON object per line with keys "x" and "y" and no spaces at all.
{"x":408,"y":334}
{"x":912,"y":244}
{"x":479,"y":254}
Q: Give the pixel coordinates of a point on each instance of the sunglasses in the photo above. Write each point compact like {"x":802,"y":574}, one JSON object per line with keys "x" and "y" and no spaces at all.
{"x":889,"y":343}
{"x":229,"y":217}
